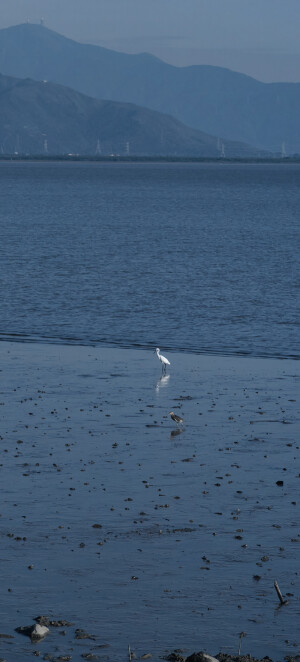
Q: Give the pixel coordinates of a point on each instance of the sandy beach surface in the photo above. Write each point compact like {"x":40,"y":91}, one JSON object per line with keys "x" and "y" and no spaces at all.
{"x":125,"y":530}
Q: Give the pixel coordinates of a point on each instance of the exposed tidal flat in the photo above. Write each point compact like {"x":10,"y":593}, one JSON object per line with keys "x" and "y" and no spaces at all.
{"x":134,"y":531}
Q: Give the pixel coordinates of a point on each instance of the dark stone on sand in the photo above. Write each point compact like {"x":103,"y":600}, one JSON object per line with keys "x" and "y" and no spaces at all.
{"x":186,"y":529}
{"x":222,"y":657}
{"x":35,"y":632}
{"x":226,"y":657}
{"x":25,"y":629}
{"x":82,"y":634}
{"x":47,"y":621}
{"x":197,"y":657}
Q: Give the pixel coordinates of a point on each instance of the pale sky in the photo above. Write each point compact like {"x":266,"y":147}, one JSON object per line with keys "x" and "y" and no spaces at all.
{"x":256,"y":37}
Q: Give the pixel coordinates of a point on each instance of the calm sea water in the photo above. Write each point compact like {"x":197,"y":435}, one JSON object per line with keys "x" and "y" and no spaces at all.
{"x":194,"y":257}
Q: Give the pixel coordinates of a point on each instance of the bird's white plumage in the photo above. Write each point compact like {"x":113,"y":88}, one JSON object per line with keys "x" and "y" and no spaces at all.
{"x":162,"y":358}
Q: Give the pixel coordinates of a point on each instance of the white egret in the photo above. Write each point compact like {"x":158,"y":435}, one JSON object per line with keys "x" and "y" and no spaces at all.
{"x":164,"y":361}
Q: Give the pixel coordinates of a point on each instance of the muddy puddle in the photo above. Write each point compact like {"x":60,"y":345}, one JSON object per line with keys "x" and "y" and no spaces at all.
{"x":138,"y":532}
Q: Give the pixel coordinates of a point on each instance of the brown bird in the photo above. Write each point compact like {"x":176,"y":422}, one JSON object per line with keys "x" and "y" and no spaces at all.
{"x":178,"y":420}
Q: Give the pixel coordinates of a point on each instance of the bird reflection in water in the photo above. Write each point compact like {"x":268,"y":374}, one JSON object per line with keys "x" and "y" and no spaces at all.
{"x":174,"y":433}
{"x":162,"y":381}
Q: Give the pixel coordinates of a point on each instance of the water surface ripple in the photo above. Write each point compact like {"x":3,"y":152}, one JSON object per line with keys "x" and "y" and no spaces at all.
{"x":197,"y":257}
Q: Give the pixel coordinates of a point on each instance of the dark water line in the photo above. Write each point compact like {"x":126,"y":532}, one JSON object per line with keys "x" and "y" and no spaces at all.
{"x":80,"y":342}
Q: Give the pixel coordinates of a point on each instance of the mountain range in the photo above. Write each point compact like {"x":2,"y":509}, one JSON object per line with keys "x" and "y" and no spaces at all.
{"x":213,"y":100}
{"x":46,"y":118}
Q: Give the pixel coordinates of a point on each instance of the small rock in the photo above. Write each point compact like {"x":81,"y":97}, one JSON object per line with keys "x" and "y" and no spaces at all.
{"x":35,"y":632}
{"x":82,"y":634}
{"x":201,"y":657}
{"x":45,"y":620}
{"x":39,"y":632}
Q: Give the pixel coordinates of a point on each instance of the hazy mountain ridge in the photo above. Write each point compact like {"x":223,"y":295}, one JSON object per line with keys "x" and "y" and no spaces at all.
{"x":46,"y":118}
{"x":212,"y":99}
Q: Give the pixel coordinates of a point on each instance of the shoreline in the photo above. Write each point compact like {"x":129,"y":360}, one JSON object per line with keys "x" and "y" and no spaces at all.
{"x":103,"y":344}
{"x":73,"y":158}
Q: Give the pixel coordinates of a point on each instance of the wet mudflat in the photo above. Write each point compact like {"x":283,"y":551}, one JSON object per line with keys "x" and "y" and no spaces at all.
{"x":137,"y":532}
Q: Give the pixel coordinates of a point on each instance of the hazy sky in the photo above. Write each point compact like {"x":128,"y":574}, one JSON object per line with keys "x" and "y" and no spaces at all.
{"x":257,"y":37}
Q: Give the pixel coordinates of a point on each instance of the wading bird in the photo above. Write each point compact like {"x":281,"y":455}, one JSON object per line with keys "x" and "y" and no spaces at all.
{"x":164,"y":361}
{"x":178,"y":420}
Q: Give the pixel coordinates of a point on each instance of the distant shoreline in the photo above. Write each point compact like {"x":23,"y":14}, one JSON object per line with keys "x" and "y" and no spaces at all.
{"x":145,"y":159}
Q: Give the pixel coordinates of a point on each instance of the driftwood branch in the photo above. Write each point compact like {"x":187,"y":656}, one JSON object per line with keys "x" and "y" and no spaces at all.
{"x":242,"y":635}
{"x":278,"y":591}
